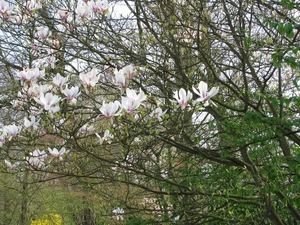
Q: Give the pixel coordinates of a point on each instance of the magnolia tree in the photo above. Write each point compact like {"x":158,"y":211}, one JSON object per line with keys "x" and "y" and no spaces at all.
{"x":191,"y":107}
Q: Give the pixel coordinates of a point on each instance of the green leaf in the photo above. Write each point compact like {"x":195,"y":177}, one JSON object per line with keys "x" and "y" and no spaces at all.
{"x":281,"y":28}
{"x":297,"y":26}
{"x":274,"y":101}
{"x":291,"y":61}
{"x":290,"y":6}
{"x":273,"y":24}
{"x":288,"y":28}
{"x":295,"y":50}
{"x":290,"y":35}
{"x":284,"y":2}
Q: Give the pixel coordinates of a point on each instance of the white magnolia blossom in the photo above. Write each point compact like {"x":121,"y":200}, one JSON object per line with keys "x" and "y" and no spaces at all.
{"x":132,"y":101}
{"x":134,"y":96}
{"x":203,"y":94}
{"x":37,"y":90}
{"x":129,"y":105}
{"x":85,"y":129}
{"x":183,"y":97}
{"x":2,"y":139}
{"x":91,"y":78}
{"x":158,"y":113}
{"x":118,"y":212}
{"x":120,"y":79}
{"x":12,"y":130}
{"x":106,"y":137}
{"x":35,"y":162}
{"x":82,"y":10}
{"x":58,"y":154}
{"x":39,"y":154}
{"x":36,"y":159}
{"x":31,"y":123}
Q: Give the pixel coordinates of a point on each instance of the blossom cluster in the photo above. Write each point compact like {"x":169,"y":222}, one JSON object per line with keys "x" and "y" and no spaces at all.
{"x":37,"y":158}
{"x":183,"y":97}
{"x":50,"y":94}
{"x":83,"y":10}
{"x":45,"y":94}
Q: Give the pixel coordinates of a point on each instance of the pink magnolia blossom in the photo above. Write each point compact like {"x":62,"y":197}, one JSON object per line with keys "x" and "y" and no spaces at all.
{"x":203,"y":94}
{"x":33,"y":5}
{"x":133,"y":100}
{"x":12,"y":130}
{"x":47,"y":61}
{"x":128,"y":72}
{"x":71,"y":93}
{"x":37,"y":90}
{"x":5,"y":9}
{"x":4,"y":6}
{"x":37,"y":158}
{"x":48,"y":101}
{"x":102,"y":5}
{"x":91,"y":78}
{"x":58,"y":154}
{"x":110,"y":109}
{"x":17,"y":103}
{"x":129,"y":105}
{"x":55,"y":43}
{"x":183,"y":97}
{"x":23,"y":75}
{"x":63,"y":14}
{"x":39,"y":74}
{"x":82,"y":10}
{"x":93,"y":6}
{"x":59,"y":80}
{"x":98,"y":6}
{"x":11,"y":166}
{"x":31,"y":74}
{"x":43,"y":32}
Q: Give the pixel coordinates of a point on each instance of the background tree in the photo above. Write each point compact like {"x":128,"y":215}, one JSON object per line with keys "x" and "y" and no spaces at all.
{"x":187,"y":158}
